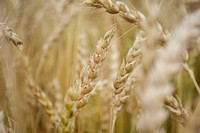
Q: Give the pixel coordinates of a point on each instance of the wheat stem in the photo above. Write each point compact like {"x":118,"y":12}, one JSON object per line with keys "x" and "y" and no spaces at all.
{"x":191,"y":74}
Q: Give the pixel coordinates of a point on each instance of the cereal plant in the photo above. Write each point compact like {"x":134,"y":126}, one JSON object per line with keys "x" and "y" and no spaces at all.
{"x":99,"y":66}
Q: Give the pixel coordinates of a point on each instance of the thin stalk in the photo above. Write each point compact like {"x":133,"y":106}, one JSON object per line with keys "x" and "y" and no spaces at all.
{"x":191,"y":74}
{"x":113,"y":117}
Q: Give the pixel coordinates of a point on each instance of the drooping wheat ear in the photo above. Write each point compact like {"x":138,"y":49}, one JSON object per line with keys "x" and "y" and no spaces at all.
{"x":131,"y":15}
{"x":53,"y":38}
{"x":11,"y":36}
{"x":176,"y":109}
{"x":168,"y":63}
{"x":79,"y":94}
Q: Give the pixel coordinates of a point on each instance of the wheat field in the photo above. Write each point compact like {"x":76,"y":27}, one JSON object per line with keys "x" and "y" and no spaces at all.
{"x":99,"y":66}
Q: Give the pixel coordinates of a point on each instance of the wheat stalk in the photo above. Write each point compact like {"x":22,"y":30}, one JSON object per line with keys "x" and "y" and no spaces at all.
{"x":191,"y":74}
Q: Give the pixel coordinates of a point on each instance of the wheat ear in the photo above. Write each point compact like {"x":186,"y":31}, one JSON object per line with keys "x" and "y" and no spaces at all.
{"x":92,"y":72}
{"x":176,"y":109}
{"x":79,"y":94}
{"x":131,"y":15}
{"x":121,"y":88}
{"x":11,"y":36}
